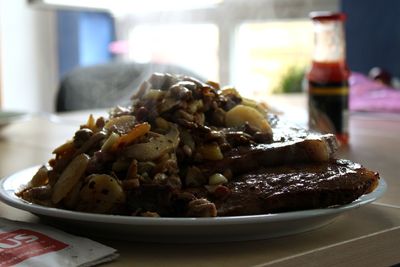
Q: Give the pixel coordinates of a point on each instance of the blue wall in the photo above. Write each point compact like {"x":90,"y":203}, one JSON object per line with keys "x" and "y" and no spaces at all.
{"x":83,"y":39}
{"x":373,"y":34}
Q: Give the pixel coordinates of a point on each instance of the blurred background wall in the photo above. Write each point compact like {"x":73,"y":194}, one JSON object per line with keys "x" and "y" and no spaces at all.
{"x":373,"y":35}
{"x":28,"y":57}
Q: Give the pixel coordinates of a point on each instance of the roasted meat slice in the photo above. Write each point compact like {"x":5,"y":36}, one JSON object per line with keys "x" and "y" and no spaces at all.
{"x":313,"y":148}
{"x":267,"y":190}
{"x":296,"y":187}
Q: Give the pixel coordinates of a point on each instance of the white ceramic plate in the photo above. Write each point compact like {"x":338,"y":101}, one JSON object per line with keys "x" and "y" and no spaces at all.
{"x":220,"y":229}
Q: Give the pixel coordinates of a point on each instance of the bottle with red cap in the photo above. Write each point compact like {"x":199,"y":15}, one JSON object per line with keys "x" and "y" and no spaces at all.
{"x":328,"y":88}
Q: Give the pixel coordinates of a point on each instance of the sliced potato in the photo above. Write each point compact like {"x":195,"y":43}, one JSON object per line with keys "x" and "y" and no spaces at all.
{"x":100,"y":194}
{"x":69,"y":177}
{"x":217,"y":179}
{"x":241,"y":114}
{"x":210,"y":151}
{"x":259,"y":106}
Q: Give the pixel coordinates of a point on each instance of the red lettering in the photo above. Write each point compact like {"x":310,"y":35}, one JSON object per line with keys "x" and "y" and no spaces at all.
{"x":22,"y":244}
{"x":26,"y":238}
{"x":9,"y":243}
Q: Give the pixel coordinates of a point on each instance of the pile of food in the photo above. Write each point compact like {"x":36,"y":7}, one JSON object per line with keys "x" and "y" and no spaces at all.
{"x":186,"y":148}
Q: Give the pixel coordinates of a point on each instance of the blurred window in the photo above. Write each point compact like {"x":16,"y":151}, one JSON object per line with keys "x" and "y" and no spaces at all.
{"x":192,"y":46}
{"x":255,"y":45}
{"x":252,"y":44}
{"x":266,"y":51}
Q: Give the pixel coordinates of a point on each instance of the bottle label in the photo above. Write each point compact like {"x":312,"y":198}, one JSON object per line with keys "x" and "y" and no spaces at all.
{"x":328,"y":107}
{"x":343,"y":90}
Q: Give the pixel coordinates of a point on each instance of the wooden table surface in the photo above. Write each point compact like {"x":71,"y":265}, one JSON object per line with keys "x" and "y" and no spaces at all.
{"x":368,"y":236}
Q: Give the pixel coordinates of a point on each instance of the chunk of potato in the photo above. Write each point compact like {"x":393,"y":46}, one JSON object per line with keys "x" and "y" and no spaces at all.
{"x":211,"y":151}
{"x":217,"y":179}
{"x":241,"y":114}
{"x":100,"y":194}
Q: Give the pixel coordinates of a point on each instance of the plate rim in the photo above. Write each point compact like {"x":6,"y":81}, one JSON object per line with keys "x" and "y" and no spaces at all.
{"x":8,"y":197}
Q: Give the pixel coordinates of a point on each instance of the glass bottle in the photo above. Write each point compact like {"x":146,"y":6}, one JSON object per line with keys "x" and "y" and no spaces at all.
{"x":328,"y":89}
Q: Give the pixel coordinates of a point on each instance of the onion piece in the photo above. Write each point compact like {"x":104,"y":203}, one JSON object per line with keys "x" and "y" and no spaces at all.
{"x":122,"y":124}
{"x":156,"y":148}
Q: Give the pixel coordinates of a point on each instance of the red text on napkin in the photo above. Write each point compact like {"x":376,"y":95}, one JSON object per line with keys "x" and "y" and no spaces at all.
{"x":19,"y":245}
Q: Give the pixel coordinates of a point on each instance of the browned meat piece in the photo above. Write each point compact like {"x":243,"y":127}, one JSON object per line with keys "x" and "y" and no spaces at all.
{"x":297,"y":187}
{"x":268,"y":190}
{"x":244,"y":159}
